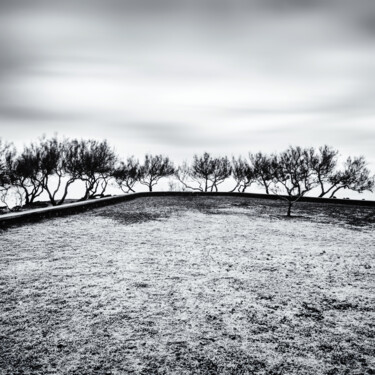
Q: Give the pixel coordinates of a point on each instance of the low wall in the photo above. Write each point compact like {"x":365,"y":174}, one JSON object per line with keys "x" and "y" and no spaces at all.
{"x":73,"y":208}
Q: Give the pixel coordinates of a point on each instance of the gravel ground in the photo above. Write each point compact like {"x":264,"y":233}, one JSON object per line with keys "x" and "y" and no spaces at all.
{"x":197,"y":285}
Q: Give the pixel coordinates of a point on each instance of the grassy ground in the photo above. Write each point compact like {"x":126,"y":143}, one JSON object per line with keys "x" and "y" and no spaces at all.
{"x":190,"y":286}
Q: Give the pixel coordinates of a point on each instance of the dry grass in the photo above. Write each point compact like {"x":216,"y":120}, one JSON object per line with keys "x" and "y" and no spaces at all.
{"x":190,"y":286}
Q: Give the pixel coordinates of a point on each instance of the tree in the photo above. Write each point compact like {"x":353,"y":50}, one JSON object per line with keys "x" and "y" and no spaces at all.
{"x":154,"y":168}
{"x":243,"y":173}
{"x":222,"y":169}
{"x":264,"y":169}
{"x":6,"y":154}
{"x":51,"y":166}
{"x":26,"y":173}
{"x":206,"y":171}
{"x":355,"y":176}
{"x":294,"y":174}
{"x":324,"y":164}
{"x":127,"y":174}
{"x":71,"y":164}
{"x":60,"y":166}
{"x":97,"y":162}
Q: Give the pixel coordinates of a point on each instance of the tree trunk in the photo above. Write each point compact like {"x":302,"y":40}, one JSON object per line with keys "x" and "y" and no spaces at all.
{"x":27,"y":198}
{"x":103,"y":187}
{"x":129,"y":188}
{"x":51,"y":197}
{"x":327,"y":191}
{"x":289,"y":209}
{"x":65,"y":193}
{"x":87,"y":194}
{"x":334,"y":191}
{"x":323,"y":193}
{"x":234,"y":189}
{"x":266,"y":186}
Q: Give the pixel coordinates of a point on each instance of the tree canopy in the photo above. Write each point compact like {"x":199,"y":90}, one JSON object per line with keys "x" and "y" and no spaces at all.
{"x":50,"y":166}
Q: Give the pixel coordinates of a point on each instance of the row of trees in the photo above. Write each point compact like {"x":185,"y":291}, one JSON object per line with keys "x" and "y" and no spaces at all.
{"x":289,"y":174}
{"x":53,"y":165}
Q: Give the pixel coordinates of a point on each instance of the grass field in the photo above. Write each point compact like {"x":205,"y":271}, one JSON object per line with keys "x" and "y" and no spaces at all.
{"x":197,"y":285}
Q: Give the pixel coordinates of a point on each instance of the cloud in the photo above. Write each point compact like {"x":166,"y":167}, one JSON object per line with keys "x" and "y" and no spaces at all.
{"x":187,"y":75}
{"x":16,"y":113}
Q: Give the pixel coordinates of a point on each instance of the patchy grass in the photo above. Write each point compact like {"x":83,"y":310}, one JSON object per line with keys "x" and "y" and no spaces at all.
{"x":190,"y":286}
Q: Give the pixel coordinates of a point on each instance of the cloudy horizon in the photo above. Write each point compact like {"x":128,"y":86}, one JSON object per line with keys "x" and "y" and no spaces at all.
{"x":180,"y":77}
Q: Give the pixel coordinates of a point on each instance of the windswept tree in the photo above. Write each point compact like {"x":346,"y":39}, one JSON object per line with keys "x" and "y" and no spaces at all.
{"x":354,"y":176}
{"x":127,"y":174}
{"x":184,"y":174}
{"x":263,"y":166}
{"x":60,"y":166}
{"x":222,"y":170}
{"x":154,"y":168}
{"x":6,"y":153}
{"x":97,"y":161}
{"x":243,"y":174}
{"x":205,"y":174}
{"x":8,"y":191}
{"x":293,"y":175}
{"x":52,"y":171}
{"x":26,"y":173}
{"x":72,"y":164}
{"x":324,"y":164}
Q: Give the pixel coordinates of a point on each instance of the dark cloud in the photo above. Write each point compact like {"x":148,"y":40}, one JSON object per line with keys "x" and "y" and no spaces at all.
{"x":24,"y":113}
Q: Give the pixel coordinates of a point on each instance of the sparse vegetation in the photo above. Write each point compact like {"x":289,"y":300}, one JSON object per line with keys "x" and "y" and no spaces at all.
{"x":153,"y":169}
{"x":97,"y":163}
{"x":243,"y":174}
{"x":293,"y":175}
{"x":205,"y":174}
{"x":127,"y":174}
{"x":51,"y":166}
{"x":190,"y":286}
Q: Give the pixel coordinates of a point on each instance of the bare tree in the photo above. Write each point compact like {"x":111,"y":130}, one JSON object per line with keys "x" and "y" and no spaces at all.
{"x":294,"y":175}
{"x":264,"y":169}
{"x":243,"y":174}
{"x":97,"y":161}
{"x":127,"y":174}
{"x":154,"y":168}
{"x":184,"y":174}
{"x":205,"y":174}
{"x":354,"y":176}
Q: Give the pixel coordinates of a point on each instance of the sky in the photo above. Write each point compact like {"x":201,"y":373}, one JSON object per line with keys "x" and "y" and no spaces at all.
{"x":180,"y":77}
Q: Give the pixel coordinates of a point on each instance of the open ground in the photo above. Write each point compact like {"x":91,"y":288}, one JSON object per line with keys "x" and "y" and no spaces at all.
{"x":200,"y":285}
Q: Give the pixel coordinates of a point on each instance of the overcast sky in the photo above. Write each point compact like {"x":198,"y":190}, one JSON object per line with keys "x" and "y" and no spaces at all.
{"x":180,"y":77}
